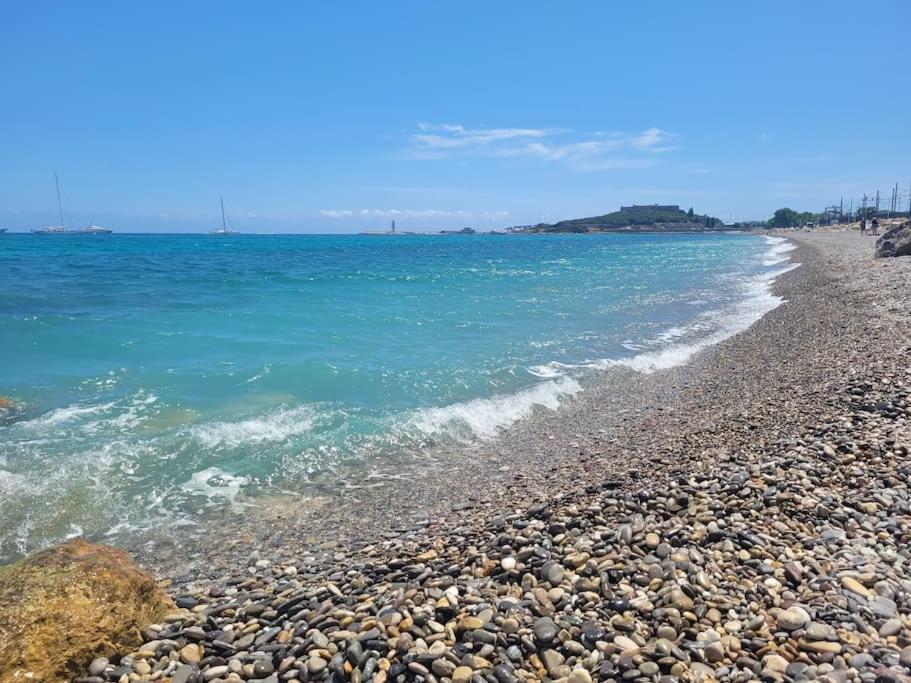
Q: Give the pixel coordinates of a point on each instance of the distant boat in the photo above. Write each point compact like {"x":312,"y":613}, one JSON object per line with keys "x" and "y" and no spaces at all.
{"x":54,"y":229}
{"x":224,"y":229}
{"x":61,"y":229}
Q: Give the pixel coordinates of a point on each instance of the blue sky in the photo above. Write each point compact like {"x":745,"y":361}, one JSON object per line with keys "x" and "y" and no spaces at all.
{"x":336,"y":117}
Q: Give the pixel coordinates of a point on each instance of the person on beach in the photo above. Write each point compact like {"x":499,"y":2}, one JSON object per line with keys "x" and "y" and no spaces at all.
{"x":875,"y":226}
{"x":863,"y":226}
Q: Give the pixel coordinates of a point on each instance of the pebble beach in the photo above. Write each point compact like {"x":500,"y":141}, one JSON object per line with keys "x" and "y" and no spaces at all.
{"x":744,"y":516}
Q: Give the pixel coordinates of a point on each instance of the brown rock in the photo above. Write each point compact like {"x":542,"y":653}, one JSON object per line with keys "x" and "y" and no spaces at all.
{"x":191,"y":654}
{"x":63,"y":607}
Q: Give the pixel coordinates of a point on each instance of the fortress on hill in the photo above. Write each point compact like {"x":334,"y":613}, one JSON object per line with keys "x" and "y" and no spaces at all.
{"x":637,"y":208}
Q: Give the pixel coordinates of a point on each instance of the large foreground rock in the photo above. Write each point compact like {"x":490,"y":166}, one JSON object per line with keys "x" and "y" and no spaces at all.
{"x":62,"y":607}
{"x":895,"y":241}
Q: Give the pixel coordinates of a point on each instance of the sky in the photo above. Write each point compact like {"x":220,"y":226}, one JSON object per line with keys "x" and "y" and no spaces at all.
{"x":340,"y":117}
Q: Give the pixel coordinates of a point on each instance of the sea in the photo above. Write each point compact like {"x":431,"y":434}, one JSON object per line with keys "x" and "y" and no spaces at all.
{"x":159,"y":378}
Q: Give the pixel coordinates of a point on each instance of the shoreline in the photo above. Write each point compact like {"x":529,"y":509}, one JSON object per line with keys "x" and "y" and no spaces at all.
{"x":755,"y":524}
{"x":256,"y":455}
{"x":450,"y":480}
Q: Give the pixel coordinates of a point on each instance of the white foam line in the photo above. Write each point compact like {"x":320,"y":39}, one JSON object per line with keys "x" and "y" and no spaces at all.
{"x":279,"y":425}
{"x":60,"y":416}
{"x":484,"y":418}
{"x":759,"y":301}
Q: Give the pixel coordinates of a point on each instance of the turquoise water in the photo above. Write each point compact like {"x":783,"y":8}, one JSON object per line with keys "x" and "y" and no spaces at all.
{"x":161,"y":375}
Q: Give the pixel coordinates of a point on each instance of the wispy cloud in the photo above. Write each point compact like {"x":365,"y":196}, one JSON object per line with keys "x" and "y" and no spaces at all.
{"x":409,"y":213}
{"x":583,"y":152}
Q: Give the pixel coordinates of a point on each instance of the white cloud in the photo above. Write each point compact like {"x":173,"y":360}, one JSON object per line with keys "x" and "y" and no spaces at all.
{"x":449,"y":136}
{"x":409,"y":213}
{"x":650,"y":138}
{"x":580,"y":152}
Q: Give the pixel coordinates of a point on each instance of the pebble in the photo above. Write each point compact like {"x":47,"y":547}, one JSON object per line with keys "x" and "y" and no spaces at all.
{"x":98,"y":665}
{"x":793,"y":618}
{"x":462,"y":674}
{"x":545,"y":630}
{"x":579,"y":675}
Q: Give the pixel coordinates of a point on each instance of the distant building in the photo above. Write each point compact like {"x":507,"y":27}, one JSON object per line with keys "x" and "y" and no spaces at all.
{"x":649,"y":207}
{"x":463,"y":231}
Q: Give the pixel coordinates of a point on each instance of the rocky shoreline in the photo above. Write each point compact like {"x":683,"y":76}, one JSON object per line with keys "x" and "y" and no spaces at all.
{"x":749,"y":518}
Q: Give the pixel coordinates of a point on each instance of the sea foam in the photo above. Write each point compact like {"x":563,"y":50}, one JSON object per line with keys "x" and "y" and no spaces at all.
{"x":677,"y":345}
{"x":279,"y":425}
{"x":484,"y":418}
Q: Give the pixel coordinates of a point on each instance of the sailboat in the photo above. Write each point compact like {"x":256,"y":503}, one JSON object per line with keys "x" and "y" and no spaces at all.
{"x":61,"y":229}
{"x":54,"y":229}
{"x":224,"y":229}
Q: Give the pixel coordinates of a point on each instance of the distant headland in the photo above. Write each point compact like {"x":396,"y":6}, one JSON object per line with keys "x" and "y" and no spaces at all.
{"x":636,"y":218}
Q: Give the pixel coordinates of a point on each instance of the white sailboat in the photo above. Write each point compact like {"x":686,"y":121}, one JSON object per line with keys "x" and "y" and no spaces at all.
{"x":54,"y":229}
{"x":61,"y":229}
{"x":224,"y":229}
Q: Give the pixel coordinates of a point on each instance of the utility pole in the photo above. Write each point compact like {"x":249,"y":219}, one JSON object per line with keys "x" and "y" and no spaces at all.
{"x":877,"y":202}
{"x":863,"y":210}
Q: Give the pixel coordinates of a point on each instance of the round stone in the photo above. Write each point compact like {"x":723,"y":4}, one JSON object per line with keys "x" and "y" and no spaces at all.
{"x":462,"y":674}
{"x":552,"y":572}
{"x":316,"y":665}
{"x":191,"y":654}
{"x":545,"y":630}
{"x":793,"y":618}
{"x":579,"y":676}
{"x":775,"y":664}
{"x":97,"y":667}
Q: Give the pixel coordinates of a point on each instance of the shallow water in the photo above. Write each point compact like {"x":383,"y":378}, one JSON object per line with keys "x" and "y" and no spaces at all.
{"x":164,"y":375}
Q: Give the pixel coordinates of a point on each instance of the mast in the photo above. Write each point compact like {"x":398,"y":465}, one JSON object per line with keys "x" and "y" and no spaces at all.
{"x":224,"y":227}
{"x":59,"y":204}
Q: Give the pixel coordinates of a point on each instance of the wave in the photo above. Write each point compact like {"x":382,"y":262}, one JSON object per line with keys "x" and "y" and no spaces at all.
{"x":61,"y":416}
{"x":485,"y":418}
{"x":279,"y":425}
{"x":759,"y":301}
{"x":121,"y":414}
{"x":778,"y":249}
{"x":712,"y":327}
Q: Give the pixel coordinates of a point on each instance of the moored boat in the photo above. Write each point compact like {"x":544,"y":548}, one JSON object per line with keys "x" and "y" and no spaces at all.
{"x":96,"y":230}
{"x":61,"y":229}
{"x":224,"y":229}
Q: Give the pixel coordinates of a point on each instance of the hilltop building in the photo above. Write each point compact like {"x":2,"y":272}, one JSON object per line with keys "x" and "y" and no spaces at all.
{"x":636,"y":208}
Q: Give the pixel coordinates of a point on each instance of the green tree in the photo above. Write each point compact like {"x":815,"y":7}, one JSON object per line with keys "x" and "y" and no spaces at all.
{"x":785,"y":218}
